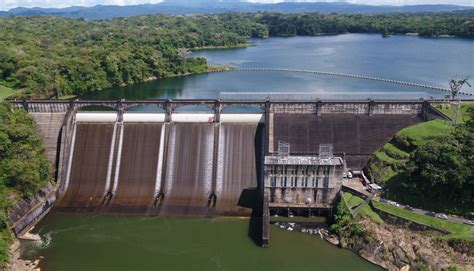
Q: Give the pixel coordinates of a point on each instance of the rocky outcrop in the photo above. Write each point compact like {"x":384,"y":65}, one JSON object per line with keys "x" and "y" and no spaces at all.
{"x":17,"y":264}
{"x":396,"y":248}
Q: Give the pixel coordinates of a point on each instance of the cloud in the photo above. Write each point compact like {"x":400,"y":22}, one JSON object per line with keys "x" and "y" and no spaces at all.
{"x":9,"y":4}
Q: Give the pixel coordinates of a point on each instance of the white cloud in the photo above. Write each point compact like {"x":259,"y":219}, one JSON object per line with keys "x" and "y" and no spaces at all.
{"x":9,"y":4}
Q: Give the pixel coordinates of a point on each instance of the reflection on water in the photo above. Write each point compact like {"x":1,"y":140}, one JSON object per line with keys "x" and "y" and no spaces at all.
{"x":412,"y":59}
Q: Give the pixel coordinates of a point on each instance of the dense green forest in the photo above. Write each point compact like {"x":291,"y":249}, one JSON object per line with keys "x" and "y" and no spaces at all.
{"x":24,"y":169}
{"x":441,"y":174}
{"x":430,"y":165}
{"x":53,"y":57}
{"x":428,"y":24}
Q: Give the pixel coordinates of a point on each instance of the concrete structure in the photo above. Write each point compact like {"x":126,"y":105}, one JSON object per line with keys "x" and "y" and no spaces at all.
{"x":212,"y":163}
{"x":302,"y":182}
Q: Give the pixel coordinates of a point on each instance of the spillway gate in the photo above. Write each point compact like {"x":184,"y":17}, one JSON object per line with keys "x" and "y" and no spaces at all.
{"x":174,"y":163}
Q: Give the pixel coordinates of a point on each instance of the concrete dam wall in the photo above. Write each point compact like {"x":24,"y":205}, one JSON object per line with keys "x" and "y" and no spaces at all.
{"x":353,"y":135}
{"x":202,"y":163}
{"x":156,"y":168}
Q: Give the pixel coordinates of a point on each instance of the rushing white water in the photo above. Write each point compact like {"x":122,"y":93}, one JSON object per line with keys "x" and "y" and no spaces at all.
{"x":220,"y":161}
{"x":209,"y":148}
{"x":170,"y":159}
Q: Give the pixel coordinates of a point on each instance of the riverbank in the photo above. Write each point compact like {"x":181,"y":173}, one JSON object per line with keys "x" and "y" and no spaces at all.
{"x":395,"y":247}
{"x":18,"y":264}
{"x":395,"y":244}
{"x":237,"y":46}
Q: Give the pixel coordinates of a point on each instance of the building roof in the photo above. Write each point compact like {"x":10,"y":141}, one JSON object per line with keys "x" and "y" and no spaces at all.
{"x":302,"y":160}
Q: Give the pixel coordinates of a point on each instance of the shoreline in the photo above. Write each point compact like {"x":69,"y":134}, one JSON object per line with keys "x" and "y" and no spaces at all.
{"x":222,"y":47}
{"x":322,"y":230}
{"x":16,"y":263}
{"x":210,"y":69}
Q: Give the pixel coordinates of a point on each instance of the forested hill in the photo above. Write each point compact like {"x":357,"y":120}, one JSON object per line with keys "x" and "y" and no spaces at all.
{"x":53,"y":56}
{"x":183,"y":7}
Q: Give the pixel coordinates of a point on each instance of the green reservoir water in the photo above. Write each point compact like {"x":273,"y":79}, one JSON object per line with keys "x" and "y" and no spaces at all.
{"x":80,"y":243}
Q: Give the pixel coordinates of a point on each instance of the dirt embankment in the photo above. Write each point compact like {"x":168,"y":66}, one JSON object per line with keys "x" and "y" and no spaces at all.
{"x":398,"y":248}
{"x":17,"y":264}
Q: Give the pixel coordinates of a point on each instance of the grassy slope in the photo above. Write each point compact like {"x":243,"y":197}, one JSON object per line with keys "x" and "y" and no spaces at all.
{"x":353,"y":201}
{"x":449,"y":110}
{"x":458,"y":231}
{"x":5,"y":92}
{"x":387,"y":161}
{"x":422,"y":133}
{"x":386,"y":165}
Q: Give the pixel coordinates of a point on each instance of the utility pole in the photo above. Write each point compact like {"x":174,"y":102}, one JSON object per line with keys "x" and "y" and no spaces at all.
{"x":455,"y":86}
{"x":457,"y":111}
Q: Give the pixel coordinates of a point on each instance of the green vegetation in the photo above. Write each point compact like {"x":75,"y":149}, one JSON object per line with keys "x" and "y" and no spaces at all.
{"x":353,"y":202}
{"x":55,"y":57}
{"x":347,"y":228}
{"x":458,"y":231}
{"x":449,"y":110}
{"x":24,"y":169}
{"x":388,"y":162}
{"x":425,"y":24}
{"x":429,"y":165}
{"x":5,"y":92}
{"x":423,"y":133}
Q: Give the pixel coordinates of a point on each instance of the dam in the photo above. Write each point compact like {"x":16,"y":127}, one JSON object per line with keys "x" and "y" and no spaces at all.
{"x":215,"y":163}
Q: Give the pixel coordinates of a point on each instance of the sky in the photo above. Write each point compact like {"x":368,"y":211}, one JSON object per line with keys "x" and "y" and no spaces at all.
{"x":8,"y":4}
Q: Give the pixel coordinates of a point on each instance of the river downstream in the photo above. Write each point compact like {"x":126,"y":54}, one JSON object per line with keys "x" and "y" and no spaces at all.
{"x":137,"y":243}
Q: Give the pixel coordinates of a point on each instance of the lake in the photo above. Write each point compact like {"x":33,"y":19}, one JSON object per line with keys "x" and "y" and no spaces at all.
{"x":406,"y":58}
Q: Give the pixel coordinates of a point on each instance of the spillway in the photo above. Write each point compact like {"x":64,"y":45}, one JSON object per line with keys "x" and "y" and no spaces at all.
{"x":206,"y":164}
{"x":87,"y":184}
{"x":240,"y":149}
{"x":178,"y":160}
{"x":188,"y":180}
{"x":137,"y":179}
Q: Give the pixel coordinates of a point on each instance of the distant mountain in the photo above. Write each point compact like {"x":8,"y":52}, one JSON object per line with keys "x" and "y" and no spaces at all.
{"x":182,"y":7}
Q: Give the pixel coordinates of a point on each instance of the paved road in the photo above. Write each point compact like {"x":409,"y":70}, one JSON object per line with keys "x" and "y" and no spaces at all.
{"x":357,"y":185}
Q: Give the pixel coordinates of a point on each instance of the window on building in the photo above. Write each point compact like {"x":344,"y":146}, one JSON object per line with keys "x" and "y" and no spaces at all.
{"x":273,"y":179}
{"x":293,"y":180}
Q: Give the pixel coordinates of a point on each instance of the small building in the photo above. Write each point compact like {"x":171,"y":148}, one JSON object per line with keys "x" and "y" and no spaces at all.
{"x":309,"y":182}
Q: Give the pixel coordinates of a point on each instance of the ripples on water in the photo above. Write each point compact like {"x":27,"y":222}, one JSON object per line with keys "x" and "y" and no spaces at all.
{"x":137,"y":243}
{"x":412,"y":59}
